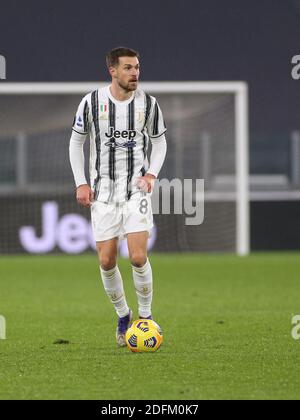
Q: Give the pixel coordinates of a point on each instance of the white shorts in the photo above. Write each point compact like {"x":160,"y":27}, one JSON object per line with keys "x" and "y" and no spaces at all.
{"x":117,"y":220}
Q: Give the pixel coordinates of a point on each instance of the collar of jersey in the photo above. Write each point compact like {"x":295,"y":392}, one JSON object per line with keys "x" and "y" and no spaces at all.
{"x":120,"y":102}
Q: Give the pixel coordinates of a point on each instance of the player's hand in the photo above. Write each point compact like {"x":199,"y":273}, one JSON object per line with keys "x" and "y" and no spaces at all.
{"x":146,"y":183}
{"x":85,"y":195}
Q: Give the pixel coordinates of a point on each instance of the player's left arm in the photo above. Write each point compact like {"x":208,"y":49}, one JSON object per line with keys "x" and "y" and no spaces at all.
{"x":156,"y":129}
{"x":157,"y":158}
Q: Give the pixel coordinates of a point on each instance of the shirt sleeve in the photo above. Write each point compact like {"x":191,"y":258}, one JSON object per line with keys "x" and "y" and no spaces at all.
{"x":81,"y":123}
{"x":156,"y":125}
{"x":77,"y":157}
{"x":158,"y":155}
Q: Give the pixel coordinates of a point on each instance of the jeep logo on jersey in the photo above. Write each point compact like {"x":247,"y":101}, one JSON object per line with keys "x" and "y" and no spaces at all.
{"x":126,"y":134}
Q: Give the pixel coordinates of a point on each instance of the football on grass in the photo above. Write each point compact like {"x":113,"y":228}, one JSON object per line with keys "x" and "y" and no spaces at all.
{"x":144,"y":335}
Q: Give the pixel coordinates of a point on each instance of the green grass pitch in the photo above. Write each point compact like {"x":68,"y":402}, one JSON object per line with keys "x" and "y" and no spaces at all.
{"x":226,"y":322}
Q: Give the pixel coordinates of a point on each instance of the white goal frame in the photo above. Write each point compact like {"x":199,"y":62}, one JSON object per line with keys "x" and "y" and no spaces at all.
{"x":240,"y":91}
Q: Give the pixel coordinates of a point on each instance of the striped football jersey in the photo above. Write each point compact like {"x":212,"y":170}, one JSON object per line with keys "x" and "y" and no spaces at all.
{"x":119,"y":133}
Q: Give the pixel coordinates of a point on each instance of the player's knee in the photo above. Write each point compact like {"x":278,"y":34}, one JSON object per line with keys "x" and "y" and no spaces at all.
{"x":107,"y":262}
{"x":138,"y":259}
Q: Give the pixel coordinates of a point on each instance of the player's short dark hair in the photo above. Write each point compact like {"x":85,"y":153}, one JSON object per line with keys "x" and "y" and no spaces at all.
{"x":112,"y":57}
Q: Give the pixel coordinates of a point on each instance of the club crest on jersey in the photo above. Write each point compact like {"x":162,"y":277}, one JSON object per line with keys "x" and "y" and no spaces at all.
{"x":141,"y":116}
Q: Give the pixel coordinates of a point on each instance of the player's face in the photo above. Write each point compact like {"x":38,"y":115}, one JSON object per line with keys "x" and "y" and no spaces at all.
{"x":127,"y":73}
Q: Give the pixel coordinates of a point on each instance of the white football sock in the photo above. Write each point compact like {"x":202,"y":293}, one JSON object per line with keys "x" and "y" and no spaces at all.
{"x":113,"y":285}
{"x":144,"y":288}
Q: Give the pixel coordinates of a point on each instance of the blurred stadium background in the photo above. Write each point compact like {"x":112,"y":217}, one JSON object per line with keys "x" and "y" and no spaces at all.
{"x":34,"y":135}
{"x":39,"y":211}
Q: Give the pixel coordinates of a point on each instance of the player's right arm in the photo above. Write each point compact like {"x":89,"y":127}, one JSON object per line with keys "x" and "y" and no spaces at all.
{"x":80,"y":129}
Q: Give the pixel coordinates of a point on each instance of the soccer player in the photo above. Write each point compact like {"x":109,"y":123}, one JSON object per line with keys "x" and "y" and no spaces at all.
{"x":120,"y":119}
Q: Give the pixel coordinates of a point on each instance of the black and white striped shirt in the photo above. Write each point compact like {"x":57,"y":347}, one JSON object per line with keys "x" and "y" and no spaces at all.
{"x":119,"y":134}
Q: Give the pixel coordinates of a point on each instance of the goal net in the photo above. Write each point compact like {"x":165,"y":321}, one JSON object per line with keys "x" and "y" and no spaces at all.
{"x":207,"y":140}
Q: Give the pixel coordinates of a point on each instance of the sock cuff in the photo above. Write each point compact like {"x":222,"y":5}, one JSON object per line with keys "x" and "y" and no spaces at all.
{"x":142,"y":270}
{"x":109,"y":273}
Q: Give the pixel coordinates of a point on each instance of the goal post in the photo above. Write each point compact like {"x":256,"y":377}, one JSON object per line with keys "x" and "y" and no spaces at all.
{"x":185,"y":91}
{"x":242,"y":169}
